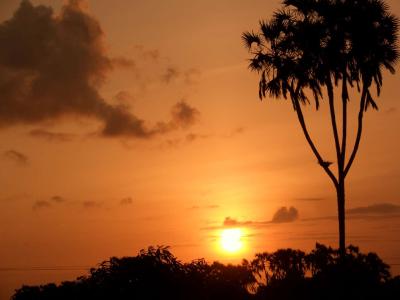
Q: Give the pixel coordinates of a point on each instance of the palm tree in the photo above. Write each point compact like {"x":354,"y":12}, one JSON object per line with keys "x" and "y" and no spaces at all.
{"x":312,"y":46}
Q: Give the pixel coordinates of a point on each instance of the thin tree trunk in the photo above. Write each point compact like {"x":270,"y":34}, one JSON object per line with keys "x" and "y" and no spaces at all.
{"x":341,"y":176}
{"x":341,"y":216}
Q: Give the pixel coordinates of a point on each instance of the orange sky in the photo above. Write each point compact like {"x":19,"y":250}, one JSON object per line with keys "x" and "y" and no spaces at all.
{"x":195,"y":145}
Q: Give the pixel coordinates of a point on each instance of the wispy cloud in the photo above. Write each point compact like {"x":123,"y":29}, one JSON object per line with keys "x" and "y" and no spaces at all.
{"x":126,"y":201}
{"x":45,"y":204}
{"x":41,"y":204}
{"x":16,"y":157}
{"x":170,"y":74}
{"x":51,"y":136}
{"x":375,"y":209}
{"x":189,"y":76}
{"x":91,"y":204}
{"x":57,"y":199}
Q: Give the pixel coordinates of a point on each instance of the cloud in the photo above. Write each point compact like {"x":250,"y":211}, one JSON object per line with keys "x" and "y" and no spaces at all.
{"x":170,"y":74}
{"x":282,"y":215}
{"x":375,"y":209}
{"x":126,"y":201}
{"x":191,"y":137}
{"x":41,"y":204}
{"x":123,"y":62}
{"x":285,"y":215}
{"x":44,"y":204}
{"x":230,"y":222}
{"x":189,"y":76}
{"x":53,"y":66}
{"x":188,"y":139}
{"x":184,"y":115}
{"x":57,"y":199}
{"x":51,"y":136}
{"x":91,"y":204}
{"x":370,"y":212}
{"x":17,"y":157}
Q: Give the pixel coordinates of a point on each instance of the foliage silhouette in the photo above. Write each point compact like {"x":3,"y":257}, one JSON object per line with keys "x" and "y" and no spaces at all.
{"x":285,"y":274}
{"x":312,"y":46}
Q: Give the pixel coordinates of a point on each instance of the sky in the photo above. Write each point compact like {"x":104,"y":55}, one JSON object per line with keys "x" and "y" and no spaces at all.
{"x":137,"y":123}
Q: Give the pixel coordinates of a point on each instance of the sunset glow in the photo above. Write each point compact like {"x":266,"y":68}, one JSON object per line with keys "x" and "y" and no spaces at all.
{"x":231,"y":240}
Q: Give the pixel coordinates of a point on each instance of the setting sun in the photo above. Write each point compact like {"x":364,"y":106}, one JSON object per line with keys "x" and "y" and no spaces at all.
{"x":231,"y":240}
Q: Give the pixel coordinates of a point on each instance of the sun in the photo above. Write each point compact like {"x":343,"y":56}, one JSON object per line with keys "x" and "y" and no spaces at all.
{"x":231,"y":240}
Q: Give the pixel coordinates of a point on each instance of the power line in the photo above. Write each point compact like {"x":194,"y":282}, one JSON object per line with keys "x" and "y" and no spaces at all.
{"x":51,"y":268}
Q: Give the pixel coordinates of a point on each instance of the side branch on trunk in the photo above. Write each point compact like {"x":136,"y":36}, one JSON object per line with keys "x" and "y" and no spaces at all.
{"x":321,"y":161}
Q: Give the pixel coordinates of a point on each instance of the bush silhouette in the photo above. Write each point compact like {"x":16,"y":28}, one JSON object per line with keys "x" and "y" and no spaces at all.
{"x":156,"y":273}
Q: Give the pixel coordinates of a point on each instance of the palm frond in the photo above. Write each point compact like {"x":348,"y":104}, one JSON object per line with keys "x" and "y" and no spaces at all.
{"x":250,"y":38}
{"x":370,"y":102}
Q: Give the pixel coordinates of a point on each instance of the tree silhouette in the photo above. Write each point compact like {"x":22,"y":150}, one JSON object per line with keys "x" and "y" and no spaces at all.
{"x":313,"y":47}
{"x":156,"y":274}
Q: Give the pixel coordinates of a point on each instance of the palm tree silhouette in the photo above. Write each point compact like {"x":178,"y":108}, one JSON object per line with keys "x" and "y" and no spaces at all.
{"x":311,"y":46}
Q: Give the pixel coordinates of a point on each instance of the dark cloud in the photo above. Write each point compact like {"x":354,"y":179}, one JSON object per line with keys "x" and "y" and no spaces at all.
{"x":41,"y":204}
{"x":172,"y":143}
{"x":375,"y":209}
{"x":285,"y":215}
{"x":189,"y":77}
{"x":191,"y":137}
{"x":122,"y":124}
{"x":126,"y":201}
{"x":282,"y":215}
{"x":17,"y":157}
{"x":230,"y":222}
{"x":57,"y":199}
{"x":53,"y":65}
{"x":188,"y":139}
{"x":123,"y":62}
{"x":170,"y":74}
{"x":91,"y":204}
{"x":184,"y":115}
{"x":51,"y":136}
